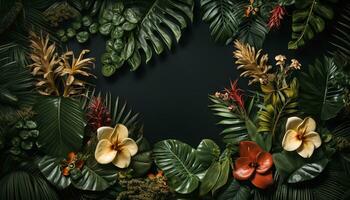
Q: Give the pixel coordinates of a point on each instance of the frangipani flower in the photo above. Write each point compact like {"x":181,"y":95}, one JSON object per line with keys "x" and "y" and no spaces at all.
{"x":115,"y":146}
{"x":301,"y":136}
{"x":281,"y":59}
{"x":254,"y":164}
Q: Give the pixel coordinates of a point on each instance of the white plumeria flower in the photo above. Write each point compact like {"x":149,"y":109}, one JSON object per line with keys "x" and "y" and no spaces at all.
{"x":301,"y":137}
{"x":115,"y":146}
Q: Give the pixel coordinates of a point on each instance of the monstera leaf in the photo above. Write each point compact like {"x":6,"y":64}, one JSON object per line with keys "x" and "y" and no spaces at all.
{"x":180,"y":165}
{"x":61,"y":125}
{"x":23,"y":185}
{"x":319,"y":95}
{"x":93,"y":177}
{"x":224,"y":17}
{"x":309,"y":20}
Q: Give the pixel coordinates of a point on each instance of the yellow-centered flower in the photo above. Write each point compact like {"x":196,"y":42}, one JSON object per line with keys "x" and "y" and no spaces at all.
{"x":115,"y":146}
{"x":301,"y":137}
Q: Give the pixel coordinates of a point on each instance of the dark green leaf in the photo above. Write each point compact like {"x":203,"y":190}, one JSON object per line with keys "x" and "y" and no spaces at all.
{"x":61,"y":125}
{"x":50,"y":167}
{"x":235,"y":191}
{"x":224,"y":174}
{"x":210,"y":178}
{"x":308,"y":171}
{"x":208,"y":150}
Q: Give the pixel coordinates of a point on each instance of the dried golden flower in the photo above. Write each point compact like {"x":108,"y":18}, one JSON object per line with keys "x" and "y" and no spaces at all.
{"x":254,"y":64}
{"x":295,"y":64}
{"x":115,"y":146}
{"x":281,"y":60}
{"x":300,"y":136}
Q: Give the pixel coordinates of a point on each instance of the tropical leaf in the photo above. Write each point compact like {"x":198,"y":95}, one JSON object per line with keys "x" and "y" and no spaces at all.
{"x":61,"y":125}
{"x":253,"y":31}
{"x":142,"y":161}
{"x":151,"y":26}
{"x":235,"y":191}
{"x":180,"y":165}
{"x":340,"y":38}
{"x":23,"y":185}
{"x":93,"y":177}
{"x":16,"y":88}
{"x":237,"y":126}
{"x":270,"y":116}
{"x":208,"y":150}
{"x":319,"y":95}
{"x":308,"y":171}
{"x":224,"y":18}
{"x":308,"y":20}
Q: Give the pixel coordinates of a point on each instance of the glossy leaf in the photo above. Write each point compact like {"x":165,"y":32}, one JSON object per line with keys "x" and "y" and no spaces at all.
{"x":61,"y":125}
{"x":224,"y":18}
{"x":320,"y":96}
{"x":235,"y":191}
{"x":224,"y":174}
{"x":179,"y":163}
{"x":253,"y":31}
{"x":210,"y":178}
{"x":309,"y":19}
{"x":50,"y":167}
{"x":208,"y":150}
{"x":23,"y":185}
{"x":308,"y":171}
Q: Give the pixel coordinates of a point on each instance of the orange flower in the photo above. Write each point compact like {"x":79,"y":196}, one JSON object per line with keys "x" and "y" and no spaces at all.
{"x":70,"y":163}
{"x":254,"y":164}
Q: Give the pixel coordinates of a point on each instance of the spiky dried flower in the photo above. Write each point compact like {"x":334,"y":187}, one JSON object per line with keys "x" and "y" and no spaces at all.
{"x":254,"y":64}
{"x":98,"y":115}
{"x":235,"y":93}
{"x":45,"y":62}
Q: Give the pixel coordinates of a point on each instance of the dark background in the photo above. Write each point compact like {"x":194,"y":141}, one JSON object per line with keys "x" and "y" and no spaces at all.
{"x":171,"y":92}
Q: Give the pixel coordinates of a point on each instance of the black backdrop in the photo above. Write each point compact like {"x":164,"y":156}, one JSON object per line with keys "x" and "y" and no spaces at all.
{"x":171,"y":92}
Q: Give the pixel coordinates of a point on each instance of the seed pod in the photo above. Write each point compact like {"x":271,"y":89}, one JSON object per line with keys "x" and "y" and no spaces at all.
{"x":86,"y":20}
{"x":82,"y":36}
{"x":105,"y":29}
{"x":108,"y":70}
{"x":71,"y":32}
{"x":93,"y":28}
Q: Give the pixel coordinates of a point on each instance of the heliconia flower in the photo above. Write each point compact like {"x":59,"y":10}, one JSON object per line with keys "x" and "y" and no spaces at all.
{"x":301,"y":137}
{"x":253,"y":164}
{"x":235,"y":94}
{"x":115,"y":146}
{"x":98,"y":115}
{"x":276,"y":17}
{"x":71,"y":162}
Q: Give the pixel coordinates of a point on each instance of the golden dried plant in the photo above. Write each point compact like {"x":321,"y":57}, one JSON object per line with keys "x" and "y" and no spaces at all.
{"x":254,"y":64}
{"x":58,"y":75}
{"x":45,"y":61}
{"x":71,"y":67}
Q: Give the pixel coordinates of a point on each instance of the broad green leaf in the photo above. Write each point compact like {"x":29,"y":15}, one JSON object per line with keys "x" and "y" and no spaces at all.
{"x":320,"y":96}
{"x":208,"y":150}
{"x":308,"y":171}
{"x":224,"y":174}
{"x":61,"y":125}
{"x":142,"y":161}
{"x":180,"y":165}
{"x":309,"y":20}
{"x":50,"y":167}
{"x":23,"y":185}
{"x":210,"y":178}
{"x":235,"y":191}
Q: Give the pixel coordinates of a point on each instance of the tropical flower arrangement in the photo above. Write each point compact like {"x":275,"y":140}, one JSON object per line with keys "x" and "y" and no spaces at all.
{"x":287,"y":137}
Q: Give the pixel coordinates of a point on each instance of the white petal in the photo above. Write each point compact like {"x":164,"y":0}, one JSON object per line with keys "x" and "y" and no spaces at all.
{"x":293,"y":123}
{"x":306,"y":149}
{"x":307,"y":125}
{"x":104,"y":152}
{"x":314,"y":138}
{"x":290,"y":141}
{"x":104,"y":132}
{"x":130,"y":145}
{"x":120,"y":132}
{"x":123,"y":158}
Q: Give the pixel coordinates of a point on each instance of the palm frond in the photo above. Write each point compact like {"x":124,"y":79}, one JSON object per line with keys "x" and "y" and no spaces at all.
{"x":253,"y":31}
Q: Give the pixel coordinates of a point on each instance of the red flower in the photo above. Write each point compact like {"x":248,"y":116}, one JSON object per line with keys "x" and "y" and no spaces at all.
{"x":254,"y":164}
{"x":98,"y":115}
{"x":234,"y":93}
{"x":276,"y":17}
{"x":70,"y":163}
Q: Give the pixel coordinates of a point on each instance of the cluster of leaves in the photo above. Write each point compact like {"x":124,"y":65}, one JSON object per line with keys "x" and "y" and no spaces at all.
{"x":189,"y":169}
{"x":132,"y":28}
{"x":246,"y":20}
